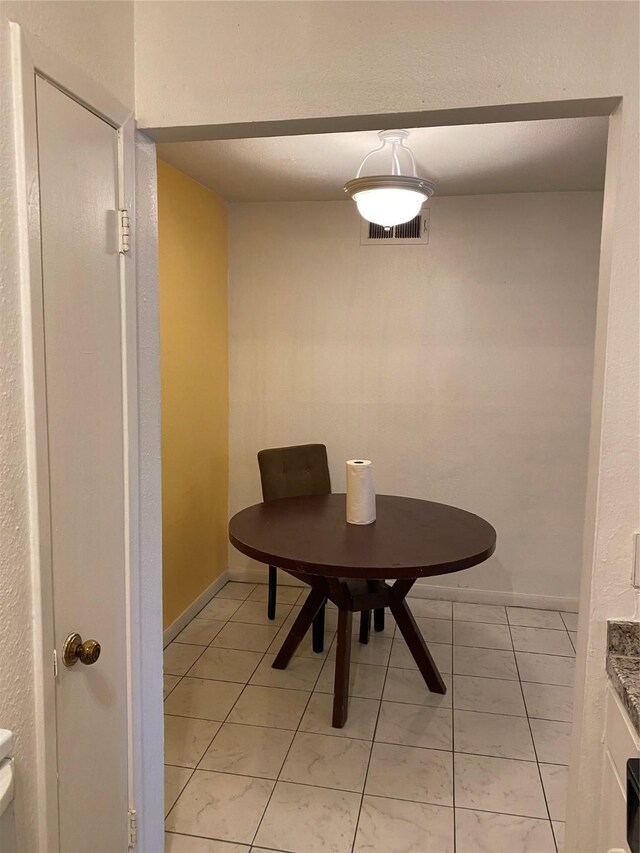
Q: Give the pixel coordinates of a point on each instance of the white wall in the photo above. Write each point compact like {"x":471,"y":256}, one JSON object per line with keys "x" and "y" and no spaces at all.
{"x":462,"y":369}
{"x":200,"y":63}
{"x":276,"y":61}
{"x":149,"y":721}
{"x":329,"y":59}
{"x":98,"y":39}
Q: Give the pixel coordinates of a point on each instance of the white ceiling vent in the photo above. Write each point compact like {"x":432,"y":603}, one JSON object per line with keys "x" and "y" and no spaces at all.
{"x":414,"y":232}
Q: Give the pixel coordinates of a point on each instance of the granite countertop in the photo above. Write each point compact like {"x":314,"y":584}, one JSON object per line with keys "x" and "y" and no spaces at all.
{"x":623,"y":665}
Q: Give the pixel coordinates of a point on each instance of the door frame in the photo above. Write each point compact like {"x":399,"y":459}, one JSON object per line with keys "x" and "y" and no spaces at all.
{"x":29,"y":58}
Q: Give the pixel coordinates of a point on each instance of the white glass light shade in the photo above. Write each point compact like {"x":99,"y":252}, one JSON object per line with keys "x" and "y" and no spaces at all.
{"x":388,"y":206}
{"x":389,"y":200}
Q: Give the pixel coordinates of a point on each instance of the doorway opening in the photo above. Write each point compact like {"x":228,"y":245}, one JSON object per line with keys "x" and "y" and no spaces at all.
{"x":463,"y":367}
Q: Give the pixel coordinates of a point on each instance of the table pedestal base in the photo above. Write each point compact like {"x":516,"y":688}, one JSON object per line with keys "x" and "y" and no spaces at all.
{"x":354,"y":596}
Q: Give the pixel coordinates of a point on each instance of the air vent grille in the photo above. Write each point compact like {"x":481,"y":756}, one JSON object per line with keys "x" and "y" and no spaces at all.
{"x":416,"y":231}
{"x":379,"y":232}
{"x":409,"y":229}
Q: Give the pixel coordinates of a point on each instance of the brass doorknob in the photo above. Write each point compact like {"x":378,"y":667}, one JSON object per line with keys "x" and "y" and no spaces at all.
{"x":75,"y":650}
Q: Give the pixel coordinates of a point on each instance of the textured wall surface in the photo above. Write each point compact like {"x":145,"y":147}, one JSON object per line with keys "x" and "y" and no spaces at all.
{"x":149,"y":736}
{"x":462,"y":369}
{"x":97,"y":38}
{"x":192,"y":241}
{"x":277,"y":61}
{"x":350,"y":59}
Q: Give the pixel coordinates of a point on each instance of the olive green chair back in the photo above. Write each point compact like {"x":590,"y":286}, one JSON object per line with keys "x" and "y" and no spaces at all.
{"x":290,"y":472}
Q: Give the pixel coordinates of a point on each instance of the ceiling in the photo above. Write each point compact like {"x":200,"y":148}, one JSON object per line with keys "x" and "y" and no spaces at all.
{"x":536,"y":156}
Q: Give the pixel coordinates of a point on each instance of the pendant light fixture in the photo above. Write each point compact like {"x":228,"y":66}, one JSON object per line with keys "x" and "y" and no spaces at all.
{"x":390,"y":199}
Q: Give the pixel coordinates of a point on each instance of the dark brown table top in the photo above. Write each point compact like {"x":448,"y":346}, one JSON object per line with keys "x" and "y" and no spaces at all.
{"x":410,"y":538}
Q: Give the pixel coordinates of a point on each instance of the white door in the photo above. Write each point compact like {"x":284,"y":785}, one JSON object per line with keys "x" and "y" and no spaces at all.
{"x":78,"y":164}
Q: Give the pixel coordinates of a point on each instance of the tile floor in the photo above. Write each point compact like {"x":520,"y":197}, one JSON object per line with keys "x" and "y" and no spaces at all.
{"x":253,"y":764}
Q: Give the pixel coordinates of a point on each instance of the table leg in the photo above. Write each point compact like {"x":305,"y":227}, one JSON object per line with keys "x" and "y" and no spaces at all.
{"x":343,"y":662}
{"x":312,"y":605}
{"x":416,"y":644}
{"x":318,"y":630}
{"x":378,"y":618}
{"x":365,"y":626}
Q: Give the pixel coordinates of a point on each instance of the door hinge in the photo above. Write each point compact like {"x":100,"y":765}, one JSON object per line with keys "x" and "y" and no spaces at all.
{"x":55,"y":663}
{"x":124,"y":232}
{"x":133,"y":827}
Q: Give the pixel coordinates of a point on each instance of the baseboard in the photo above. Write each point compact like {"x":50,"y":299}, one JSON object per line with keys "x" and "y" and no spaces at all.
{"x":424,"y":589}
{"x":194,"y":608}
{"x":254,"y":574}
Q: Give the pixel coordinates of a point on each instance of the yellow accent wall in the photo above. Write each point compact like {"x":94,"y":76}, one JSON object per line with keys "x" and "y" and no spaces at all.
{"x":192,"y":223}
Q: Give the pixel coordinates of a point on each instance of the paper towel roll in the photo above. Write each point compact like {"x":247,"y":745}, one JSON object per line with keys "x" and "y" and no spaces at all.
{"x":361,"y":497}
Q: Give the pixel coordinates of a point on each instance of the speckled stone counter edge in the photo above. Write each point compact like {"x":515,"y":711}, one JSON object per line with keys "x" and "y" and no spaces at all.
{"x":623,"y":665}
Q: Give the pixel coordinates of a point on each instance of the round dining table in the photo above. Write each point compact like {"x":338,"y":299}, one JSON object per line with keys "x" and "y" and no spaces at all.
{"x":351,"y":564}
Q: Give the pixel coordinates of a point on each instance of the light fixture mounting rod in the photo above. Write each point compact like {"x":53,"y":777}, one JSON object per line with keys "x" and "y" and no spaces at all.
{"x":397,"y":136}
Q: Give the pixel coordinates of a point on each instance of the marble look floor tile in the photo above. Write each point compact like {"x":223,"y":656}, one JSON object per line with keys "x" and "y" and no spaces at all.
{"x":202,"y":698}
{"x":488,"y":832}
{"x":402,"y":658}
{"x":403,"y":827}
{"x":552,"y":740}
{"x":175,"y":778}
{"x":365,"y":681}
{"x":376,"y":652}
{"x":491,"y":695}
{"x":265,"y":850}
{"x":248,"y":750}
{"x":327,"y":761}
{"x":361,"y":719}
{"x":300,"y":674}
{"x":429,"y":608}
{"x":296,"y":608}
{"x":410,"y":773}
{"x":542,"y":641}
{"x":531,"y":617}
{"x":492,"y":613}
{"x":200,"y":632}
{"x":220,"y":805}
{"x":331,"y":619}
{"x":255,"y":613}
{"x":303,"y":595}
{"x":486,"y":663}
{"x":240,"y":591}
{"x":168,"y":683}
{"x":389,"y":626}
{"x":548,"y":701}
{"x":307,"y":819}
{"x":236,"y":635}
{"x":269,"y":706}
{"x":493,"y":734}
{"x":546,"y":669}
{"x":284,"y":595}
{"x":414,"y":725}
{"x":186,"y":740}
{"x":500,"y":785}
{"x":555,"y":779}
{"x":558,"y":831}
{"x":226,"y":664}
{"x":305,"y":649}
{"x":481,"y":635}
{"x":174,"y":843}
{"x":434,"y":630}
{"x":220,"y":608}
{"x":570,"y":621}
{"x":408,"y":685}
{"x":179,"y":658}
